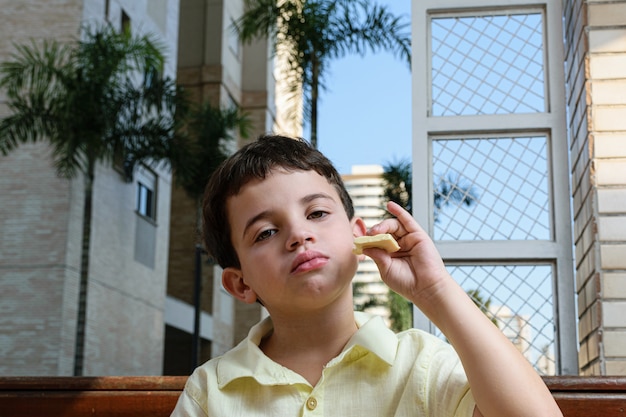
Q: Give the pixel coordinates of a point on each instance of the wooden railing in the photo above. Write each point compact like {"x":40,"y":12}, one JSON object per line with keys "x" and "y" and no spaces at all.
{"x":156,"y":396}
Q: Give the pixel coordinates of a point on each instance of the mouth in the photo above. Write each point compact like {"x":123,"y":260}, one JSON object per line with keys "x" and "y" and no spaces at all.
{"x":308,"y":261}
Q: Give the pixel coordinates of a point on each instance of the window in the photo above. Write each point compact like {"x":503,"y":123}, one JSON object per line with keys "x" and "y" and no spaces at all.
{"x":490,"y":149}
{"x":146,"y":193}
{"x":233,"y":41}
{"x":125,"y":23}
{"x":145,"y":225}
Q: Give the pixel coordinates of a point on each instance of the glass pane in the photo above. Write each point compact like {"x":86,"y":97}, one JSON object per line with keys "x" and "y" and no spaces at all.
{"x":519,"y":300}
{"x":491,"y":189}
{"x":141,"y":199}
{"x":487,"y":65}
{"x":145,"y":201}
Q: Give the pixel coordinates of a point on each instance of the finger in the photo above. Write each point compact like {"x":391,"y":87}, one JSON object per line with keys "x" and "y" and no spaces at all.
{"x":405,"y":218}
{"x":392,"y":226}
{"x":402,"y":224}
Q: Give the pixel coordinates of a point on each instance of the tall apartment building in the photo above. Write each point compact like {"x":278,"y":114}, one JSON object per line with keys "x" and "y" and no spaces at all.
{"x":41,"y":226}
{"x":214,"y":66}
{"x":366,"y":188}
{"x":140,"y":310}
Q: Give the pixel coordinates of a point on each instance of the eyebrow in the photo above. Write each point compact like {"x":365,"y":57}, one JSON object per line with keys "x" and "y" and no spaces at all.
{"x":266,"y":213}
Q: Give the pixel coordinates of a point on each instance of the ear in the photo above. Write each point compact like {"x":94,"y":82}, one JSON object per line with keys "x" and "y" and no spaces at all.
{"x":359,"y":229}
{"x":233,"y":282}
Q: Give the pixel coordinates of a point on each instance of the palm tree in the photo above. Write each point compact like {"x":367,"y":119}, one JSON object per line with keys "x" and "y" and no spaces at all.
{"x":452,"y":189}
{"x":211,"y":133}
{"x":400,"y":314}
{"x":211,"y":139}
{"x":99,"y":100}
{"x":311,"y":33}
{"x":398,"y":180}
{"x":449,"y":189}
{"x":397,"y":177}
{"x":482,"y":304}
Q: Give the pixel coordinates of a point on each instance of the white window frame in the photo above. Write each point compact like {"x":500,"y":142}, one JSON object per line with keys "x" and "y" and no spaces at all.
{"x":552,"y":122}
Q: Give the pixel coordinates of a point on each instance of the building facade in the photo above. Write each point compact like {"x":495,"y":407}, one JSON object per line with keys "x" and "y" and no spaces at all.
{"x":595,"y":71}
{"x":41,"y":226}
{"x":212,"y":67}
{"x":140,"y":302}
{"x":366,"y":188}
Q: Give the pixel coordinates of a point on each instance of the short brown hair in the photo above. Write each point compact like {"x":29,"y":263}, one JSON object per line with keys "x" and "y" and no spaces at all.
{"x":255,"y":161}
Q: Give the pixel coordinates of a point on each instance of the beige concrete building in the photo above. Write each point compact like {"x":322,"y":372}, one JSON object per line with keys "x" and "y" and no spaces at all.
{"x":140,"y":296}
{"x":41,"y":224}
{"x":213,"y":66}
{"x":595,"y":71}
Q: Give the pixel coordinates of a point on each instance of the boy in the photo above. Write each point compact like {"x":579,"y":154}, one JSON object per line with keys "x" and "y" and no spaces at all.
{"x":279,"y":221}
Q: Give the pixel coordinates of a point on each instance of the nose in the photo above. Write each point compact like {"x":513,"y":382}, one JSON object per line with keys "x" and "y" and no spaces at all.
{"x":298,"y":237}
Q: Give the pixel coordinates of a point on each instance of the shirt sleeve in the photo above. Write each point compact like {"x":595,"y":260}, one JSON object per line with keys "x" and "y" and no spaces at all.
{"x":190,"y":402}
{"x":449,"y":392}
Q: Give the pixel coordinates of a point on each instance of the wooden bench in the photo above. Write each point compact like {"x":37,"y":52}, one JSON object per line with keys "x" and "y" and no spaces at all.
{"x":110,"y":396}
{"x":155,"y":396}
{"x":589,"y":396}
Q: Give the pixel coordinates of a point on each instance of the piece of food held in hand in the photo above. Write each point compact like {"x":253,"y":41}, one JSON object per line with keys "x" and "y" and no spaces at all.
{"x":383,"y":241}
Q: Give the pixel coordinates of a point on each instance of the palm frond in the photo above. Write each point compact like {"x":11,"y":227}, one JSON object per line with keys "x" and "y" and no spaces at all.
{"x":307,"y":35}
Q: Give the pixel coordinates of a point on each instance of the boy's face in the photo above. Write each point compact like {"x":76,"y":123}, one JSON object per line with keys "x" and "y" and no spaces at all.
{"x":294,"y":242}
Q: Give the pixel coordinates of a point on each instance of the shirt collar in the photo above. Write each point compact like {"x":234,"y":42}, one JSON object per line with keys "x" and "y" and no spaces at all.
{"x":247,"y":359}
{"x":375,"y":336}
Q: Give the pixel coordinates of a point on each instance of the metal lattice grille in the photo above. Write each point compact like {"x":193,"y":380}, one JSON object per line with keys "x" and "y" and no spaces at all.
{"x":490,"y":169}
{"x":519,"y":300}
{"x":491,"y":189}
{"x":487,"y":65}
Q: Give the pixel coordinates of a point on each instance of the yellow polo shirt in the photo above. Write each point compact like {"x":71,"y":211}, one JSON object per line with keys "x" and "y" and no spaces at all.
{"x":378,"y":373}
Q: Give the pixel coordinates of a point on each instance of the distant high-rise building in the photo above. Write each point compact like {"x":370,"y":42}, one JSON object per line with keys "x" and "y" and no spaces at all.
{"x":365,"y":186}
{"x":515,"y":327}
{"x":518,"y":329}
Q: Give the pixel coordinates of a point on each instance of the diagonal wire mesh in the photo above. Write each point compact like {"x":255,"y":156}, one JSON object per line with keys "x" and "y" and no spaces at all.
{"x":519,"y":300}
{"x":491,"y":189}
{"x":490,"y":64}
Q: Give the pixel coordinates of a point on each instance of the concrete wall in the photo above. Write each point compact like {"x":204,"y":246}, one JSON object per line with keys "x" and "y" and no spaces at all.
{"x":595,"y":37}
{"x":39,"y":256}
{"x":125,"y":333}
{"x":214,"y":67}
{"x":41,"y":225}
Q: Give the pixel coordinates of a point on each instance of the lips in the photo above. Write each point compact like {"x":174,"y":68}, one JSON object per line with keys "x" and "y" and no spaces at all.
{"x":308,"y":261}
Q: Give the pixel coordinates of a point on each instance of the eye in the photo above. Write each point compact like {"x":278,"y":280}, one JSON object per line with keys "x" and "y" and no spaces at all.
{"x":265,"y":234}
{"x":318,"y":214}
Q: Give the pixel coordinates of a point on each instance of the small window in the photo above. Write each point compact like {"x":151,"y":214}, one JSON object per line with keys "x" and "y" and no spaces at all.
{"x":233,"y":41}
{"x":145,"y":201}
{"x":146,"y":193}
{"x":125,"y":22}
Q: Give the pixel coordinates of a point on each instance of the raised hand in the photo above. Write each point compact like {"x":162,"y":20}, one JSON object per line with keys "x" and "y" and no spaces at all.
{"x":416,"y":271}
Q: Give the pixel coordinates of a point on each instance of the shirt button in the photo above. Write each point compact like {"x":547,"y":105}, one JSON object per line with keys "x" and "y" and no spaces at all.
{"x":311,"y":403}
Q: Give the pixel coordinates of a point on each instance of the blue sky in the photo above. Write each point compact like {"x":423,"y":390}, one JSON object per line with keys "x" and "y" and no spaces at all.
{"x":365,"y":114}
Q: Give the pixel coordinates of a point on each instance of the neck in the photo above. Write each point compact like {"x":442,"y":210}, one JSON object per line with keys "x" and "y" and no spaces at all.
{"x":314,"y":328}
{"x":305,"y":344}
